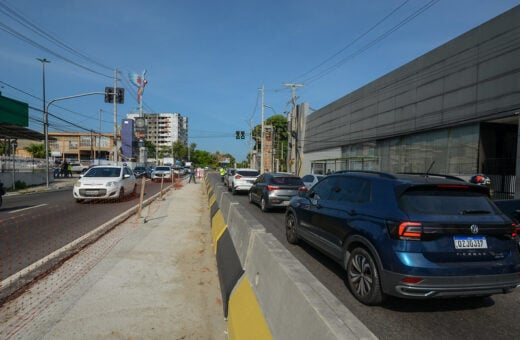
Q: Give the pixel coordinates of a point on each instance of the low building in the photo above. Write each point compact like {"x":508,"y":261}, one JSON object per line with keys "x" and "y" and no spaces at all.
{"x":81,"y":146}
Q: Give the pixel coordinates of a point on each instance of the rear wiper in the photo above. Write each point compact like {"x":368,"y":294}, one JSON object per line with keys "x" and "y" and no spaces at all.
{"x":467,"y":212}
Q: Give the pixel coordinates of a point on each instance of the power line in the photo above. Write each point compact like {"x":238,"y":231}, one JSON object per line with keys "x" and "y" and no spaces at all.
{"x":353,"y":41}
{"x":19,"y":18}
{"x":372,"y":43}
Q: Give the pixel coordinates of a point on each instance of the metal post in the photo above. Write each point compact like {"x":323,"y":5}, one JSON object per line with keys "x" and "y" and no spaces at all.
{"x":99,"y":140}
{"x":115,"y":117}
{"x":45,"y":123}
{"x":13,"y":150}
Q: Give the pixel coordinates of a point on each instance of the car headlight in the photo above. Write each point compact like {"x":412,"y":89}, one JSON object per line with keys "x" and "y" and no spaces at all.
{"x":77,"y":184}
{"x":112,"y":184}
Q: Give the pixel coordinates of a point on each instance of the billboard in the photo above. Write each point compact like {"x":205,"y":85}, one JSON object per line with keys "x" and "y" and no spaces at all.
{"x":14,"y":112}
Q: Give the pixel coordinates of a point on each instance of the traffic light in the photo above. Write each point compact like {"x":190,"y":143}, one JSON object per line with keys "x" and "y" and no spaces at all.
{"x":109,"y":94}
{"x":242,"y":134}
{"x":237,"y":134}
{"x":120,"y":95}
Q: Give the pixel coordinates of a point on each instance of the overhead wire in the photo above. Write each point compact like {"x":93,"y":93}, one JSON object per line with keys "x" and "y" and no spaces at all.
{"x":372,"y":43}
{"x":19,"y":18}
{"x":355,"y":40}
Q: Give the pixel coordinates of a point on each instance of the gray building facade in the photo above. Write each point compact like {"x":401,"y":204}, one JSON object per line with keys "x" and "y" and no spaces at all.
{"x":454,"y":110}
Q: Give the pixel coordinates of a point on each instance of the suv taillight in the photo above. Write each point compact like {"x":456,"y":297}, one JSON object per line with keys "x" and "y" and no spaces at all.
{"x":516,"y":231}
{"x":409,"y":231}
{"x":272,"y":187}
{"x":238,"y":177}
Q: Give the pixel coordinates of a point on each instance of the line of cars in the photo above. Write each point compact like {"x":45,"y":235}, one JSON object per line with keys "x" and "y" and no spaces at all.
{"x":112,"y":182}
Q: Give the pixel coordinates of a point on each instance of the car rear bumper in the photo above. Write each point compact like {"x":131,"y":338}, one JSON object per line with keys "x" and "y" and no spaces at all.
{"x":448,"y":286}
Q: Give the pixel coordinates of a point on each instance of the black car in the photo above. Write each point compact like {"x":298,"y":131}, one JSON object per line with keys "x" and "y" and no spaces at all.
{"x":411,"y":236}
{"x":140,"y":171}
{"x":274,"y":190}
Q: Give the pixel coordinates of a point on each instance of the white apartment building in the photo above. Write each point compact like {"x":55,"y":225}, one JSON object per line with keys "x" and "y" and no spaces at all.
{"x":163,"y":129}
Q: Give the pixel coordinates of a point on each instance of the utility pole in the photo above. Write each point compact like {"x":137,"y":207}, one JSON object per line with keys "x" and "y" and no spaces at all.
{"x":115,"y":117}
{"x":290,"y":139}
{"x":262,"y":164}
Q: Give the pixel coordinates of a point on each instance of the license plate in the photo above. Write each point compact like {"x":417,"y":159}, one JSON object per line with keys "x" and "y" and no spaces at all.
{"x":91,"y":192}
{"x":470,"y":242}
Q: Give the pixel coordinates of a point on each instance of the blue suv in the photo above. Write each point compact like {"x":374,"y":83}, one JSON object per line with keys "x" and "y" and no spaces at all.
{"x":408,"y":235}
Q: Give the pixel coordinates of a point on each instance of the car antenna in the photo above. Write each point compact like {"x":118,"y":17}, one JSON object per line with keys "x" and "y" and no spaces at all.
{"x":429,"y":168}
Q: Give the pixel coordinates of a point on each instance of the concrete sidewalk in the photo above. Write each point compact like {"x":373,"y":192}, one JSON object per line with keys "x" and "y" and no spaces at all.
{"x":149,"y":278}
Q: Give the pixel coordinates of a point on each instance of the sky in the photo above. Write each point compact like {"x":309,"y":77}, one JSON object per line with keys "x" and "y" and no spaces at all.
{"x":208,"y":59}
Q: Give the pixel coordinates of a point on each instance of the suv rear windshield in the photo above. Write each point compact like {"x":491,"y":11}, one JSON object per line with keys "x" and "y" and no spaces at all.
{"x":247,"y":173}
{"x":445,"y":202}
{"x":288,"y":180}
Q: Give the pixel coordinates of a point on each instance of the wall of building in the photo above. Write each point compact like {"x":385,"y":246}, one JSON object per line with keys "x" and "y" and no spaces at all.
{"x":472,"y":78}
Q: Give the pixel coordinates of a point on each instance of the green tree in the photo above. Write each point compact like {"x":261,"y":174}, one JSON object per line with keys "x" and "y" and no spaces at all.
{"x":150,"y":148}
{"x":179,"y":150}
{"x":36,"y":150}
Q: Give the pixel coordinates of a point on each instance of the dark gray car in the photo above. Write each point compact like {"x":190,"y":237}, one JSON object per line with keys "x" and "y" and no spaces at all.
{"x":275,"y":190}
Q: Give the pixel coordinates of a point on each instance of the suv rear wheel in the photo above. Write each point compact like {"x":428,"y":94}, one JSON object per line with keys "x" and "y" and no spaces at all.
{"x":363,"y":277}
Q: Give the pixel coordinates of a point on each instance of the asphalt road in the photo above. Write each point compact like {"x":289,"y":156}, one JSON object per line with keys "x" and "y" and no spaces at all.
{"x":34,"y":225}
{"x":470,"y":318}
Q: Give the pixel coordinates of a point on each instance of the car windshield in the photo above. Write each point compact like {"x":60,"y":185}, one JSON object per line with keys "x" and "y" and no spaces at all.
{"x":103,"y":172}
{"x":138,"y":168}
{"x":288,"y":180}
{"x":162,"y":168}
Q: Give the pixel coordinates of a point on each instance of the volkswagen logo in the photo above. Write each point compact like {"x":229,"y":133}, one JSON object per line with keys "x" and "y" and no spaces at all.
{"x":474,"y":229}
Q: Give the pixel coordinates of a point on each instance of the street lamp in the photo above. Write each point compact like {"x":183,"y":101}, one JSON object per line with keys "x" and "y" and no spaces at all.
{"x":45,"y":122}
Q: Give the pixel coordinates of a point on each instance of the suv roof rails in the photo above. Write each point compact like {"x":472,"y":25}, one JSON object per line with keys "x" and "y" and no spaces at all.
{"x":372,"y":172}
{"x":425,"y":174}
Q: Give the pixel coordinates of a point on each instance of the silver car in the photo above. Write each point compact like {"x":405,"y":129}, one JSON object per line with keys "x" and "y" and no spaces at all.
{"x":105,"y":182}
{"x":242,"y":180}
{"x":275,"y":190}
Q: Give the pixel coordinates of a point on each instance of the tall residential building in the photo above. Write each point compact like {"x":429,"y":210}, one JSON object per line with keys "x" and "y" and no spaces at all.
{"x":163,"y":129}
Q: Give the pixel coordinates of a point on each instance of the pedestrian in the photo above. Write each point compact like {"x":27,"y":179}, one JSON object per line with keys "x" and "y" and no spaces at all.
{"x":64,"y":169}
{"x":69,"y":170}
{"x":192,"y":174}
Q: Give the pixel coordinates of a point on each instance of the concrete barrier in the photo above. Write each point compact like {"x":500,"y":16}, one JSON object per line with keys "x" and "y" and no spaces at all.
{"x":275,"y":295}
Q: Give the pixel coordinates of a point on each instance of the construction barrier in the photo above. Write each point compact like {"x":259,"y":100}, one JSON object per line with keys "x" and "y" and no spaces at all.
{"x":267,"y":293}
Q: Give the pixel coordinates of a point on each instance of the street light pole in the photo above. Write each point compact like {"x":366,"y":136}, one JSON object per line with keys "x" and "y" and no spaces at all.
{"x":262,"y":164}
{"x":45,"y":122}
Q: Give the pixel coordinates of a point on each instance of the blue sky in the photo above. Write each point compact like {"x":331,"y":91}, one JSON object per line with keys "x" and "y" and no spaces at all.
{"x":207,"y":59}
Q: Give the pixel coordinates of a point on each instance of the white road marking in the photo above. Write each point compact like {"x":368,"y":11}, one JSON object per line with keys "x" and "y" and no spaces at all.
{"x":36,"y":206}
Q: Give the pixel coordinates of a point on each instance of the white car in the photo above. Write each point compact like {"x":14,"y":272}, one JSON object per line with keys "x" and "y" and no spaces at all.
{"x":241,"y":180}
{"x":311,"y":179}
{"x":105,"y":182}
{"x":162,"y":172}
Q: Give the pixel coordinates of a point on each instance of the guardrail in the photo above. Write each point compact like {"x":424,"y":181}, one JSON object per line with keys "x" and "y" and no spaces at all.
{"x":268,"y":293}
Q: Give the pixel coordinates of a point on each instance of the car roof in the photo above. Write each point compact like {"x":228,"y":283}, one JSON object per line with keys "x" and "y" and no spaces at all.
{"x":405,"y":180}
{"x":281,"y":174}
